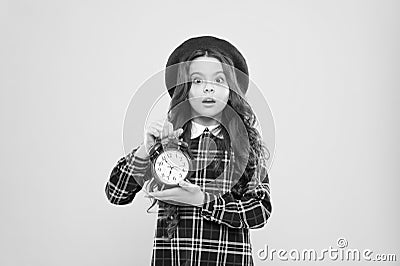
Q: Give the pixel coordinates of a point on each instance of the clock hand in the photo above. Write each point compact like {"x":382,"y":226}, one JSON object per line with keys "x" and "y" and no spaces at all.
{"x":179,"y":166}
{"x":167,"y":161}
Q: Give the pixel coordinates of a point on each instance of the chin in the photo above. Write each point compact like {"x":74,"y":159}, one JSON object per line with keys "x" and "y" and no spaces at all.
{"x":210,"y":114}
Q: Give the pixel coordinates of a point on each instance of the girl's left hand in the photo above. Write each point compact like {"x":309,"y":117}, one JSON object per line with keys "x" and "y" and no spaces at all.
{"x":186,"y":194}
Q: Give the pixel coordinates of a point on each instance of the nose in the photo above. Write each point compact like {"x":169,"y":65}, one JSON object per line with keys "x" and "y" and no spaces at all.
{"x":208,"y":88}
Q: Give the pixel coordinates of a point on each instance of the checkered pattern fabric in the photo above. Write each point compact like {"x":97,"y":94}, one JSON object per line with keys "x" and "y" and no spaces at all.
{"x":216,"y":233}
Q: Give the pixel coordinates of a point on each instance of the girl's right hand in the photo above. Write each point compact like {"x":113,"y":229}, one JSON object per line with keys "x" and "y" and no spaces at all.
{"x":160,"y":129}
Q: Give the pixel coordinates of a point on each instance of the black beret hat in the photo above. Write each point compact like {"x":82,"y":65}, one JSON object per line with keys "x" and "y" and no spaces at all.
{"x":183,"y":51}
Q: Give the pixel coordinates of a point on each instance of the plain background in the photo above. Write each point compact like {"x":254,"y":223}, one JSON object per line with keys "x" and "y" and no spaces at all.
{"x":328,"y":69}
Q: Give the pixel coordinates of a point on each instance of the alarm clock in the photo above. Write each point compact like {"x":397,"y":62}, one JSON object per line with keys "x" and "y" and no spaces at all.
{"x":171,"y":162}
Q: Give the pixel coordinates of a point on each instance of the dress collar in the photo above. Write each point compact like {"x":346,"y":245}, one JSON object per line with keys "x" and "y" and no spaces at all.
{"x":198,"y":129}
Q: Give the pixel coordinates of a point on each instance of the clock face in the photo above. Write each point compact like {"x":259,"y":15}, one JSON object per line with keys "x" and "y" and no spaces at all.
{"x":171,"y":166}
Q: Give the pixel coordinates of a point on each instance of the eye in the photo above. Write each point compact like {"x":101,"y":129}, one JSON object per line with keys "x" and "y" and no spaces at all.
{"x":197,"y":81}
{"x":219,"y":80}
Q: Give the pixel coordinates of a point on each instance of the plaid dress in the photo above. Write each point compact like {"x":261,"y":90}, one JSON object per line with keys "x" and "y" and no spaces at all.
{"x":216,"y":233}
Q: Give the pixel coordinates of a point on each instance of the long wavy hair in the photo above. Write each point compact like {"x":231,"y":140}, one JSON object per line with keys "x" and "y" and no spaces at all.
{"x":246,"y":156}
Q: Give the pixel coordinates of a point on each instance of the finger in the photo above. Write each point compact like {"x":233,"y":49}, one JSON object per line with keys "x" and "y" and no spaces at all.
{"x":154,"y":132}
{"x":165,"y":193}
{"x":182,"y":183}
{"x":188,"y":186}
{"x":185,"y":183}
{"x":164,"y":130}
{"x":170,"y":130}
{"x":155,"y":127}
{"x":178,"y":132}
{"x":156,"y":124}
{"x":167,"y":129}
{"x":160,"y":122}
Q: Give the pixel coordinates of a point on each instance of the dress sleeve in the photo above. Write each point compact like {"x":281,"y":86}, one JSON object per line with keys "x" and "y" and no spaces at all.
{"x":251,"y":211}
{"x":122,"y":186}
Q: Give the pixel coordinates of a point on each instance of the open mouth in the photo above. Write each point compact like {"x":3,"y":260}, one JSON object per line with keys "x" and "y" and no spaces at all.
{"x":208,"y":100}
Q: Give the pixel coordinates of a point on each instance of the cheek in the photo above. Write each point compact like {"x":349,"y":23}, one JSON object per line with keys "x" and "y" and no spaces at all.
{"x":193,"y":93}
{"x":190,"y":94}
{"x":194,"y":101}
{"x":222,"y":101}
{"x":194,"y":96}
{"x":223,"y":96}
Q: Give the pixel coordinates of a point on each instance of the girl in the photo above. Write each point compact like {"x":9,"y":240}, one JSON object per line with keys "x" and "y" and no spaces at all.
{"x":205,"y":220}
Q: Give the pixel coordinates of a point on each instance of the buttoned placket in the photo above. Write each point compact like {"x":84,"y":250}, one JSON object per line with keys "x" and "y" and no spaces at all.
{"x":206,"y":139}
{"x":205,"y":147}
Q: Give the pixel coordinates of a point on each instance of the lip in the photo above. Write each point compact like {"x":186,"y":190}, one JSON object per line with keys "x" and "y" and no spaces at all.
{"x":209,"y":101}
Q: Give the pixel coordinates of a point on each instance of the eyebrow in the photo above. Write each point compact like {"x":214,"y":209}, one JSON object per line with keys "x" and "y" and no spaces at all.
{"x":218,"y":72}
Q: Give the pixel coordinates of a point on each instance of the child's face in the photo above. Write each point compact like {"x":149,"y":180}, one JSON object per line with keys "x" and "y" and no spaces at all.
{"x":209,"y":91}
